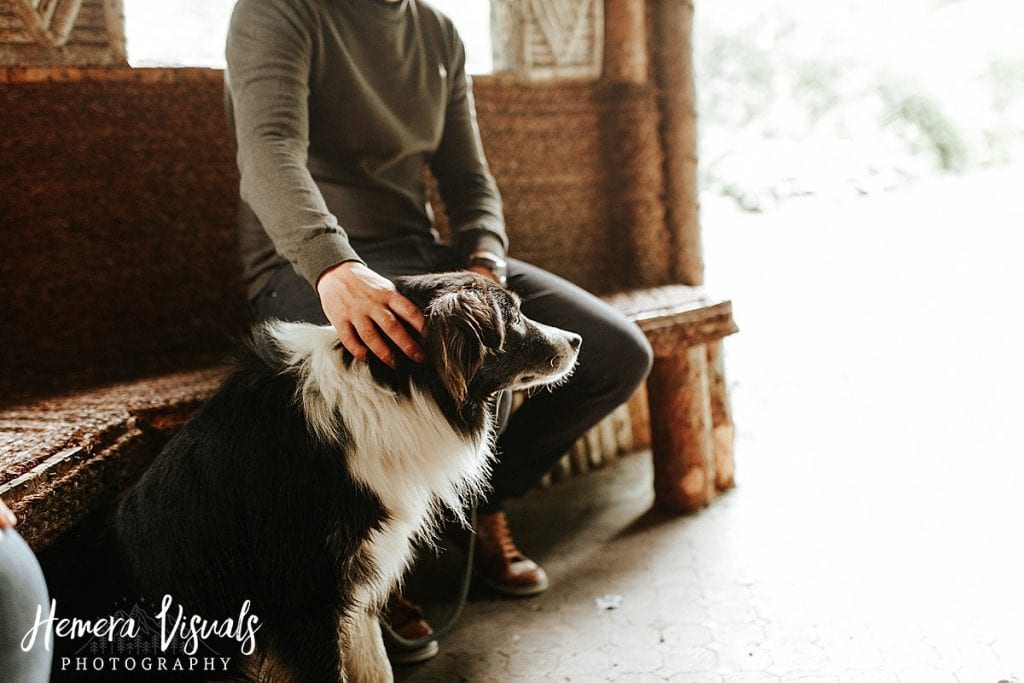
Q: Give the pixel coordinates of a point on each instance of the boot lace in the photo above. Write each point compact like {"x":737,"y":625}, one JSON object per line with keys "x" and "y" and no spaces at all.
{"x":495,"y":527}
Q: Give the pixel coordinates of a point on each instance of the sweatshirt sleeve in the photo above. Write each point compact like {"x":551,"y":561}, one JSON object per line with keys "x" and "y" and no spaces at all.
{"x":269,"y":50}
{"x":467,"y":187}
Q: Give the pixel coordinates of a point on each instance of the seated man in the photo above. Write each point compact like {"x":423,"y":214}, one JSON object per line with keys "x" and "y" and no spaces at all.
{"x":336,"y":108}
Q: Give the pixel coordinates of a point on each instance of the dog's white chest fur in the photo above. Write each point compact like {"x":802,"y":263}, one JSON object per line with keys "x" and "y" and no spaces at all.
{"x":402,"y":449}
{"x":408,"y":455}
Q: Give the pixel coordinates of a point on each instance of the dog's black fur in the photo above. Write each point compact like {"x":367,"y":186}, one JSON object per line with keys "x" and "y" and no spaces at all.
{"x":248,"y":502}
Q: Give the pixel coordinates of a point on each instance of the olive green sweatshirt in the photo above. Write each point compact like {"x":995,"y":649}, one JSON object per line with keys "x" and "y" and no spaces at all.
{"x":336,"y":107}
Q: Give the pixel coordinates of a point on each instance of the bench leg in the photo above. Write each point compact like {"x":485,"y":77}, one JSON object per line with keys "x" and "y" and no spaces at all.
{"x":721,"y":418}
{"x":682,"y":443}
{"x":640,"y":419}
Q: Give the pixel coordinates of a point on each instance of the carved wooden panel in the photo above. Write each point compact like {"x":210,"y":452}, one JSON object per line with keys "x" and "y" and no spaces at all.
{"x":545,"y":39}
{"x":61,"y":32}
{"x":45,"y":22}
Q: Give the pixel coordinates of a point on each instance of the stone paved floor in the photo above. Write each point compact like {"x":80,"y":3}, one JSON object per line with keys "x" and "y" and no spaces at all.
{"x":876,"y":534}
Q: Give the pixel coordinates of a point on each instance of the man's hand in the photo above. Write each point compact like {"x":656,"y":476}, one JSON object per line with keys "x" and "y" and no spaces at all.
{"x":486,"y":272}
{"x":361,"y":304}
{"x":7,"y":518}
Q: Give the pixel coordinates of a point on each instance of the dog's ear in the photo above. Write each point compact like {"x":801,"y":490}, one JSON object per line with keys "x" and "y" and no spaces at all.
{"x":459,"y":326}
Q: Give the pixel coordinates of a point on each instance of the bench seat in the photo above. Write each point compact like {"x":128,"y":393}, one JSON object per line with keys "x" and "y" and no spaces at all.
{"x":690,"y":418}
{"x":63,"y":458}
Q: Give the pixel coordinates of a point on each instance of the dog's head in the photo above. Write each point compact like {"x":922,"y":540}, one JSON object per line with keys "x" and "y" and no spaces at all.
{"x":480,"y":342}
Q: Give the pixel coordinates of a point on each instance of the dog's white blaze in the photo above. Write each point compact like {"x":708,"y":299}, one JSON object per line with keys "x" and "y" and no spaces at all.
{"x":402,"y":449}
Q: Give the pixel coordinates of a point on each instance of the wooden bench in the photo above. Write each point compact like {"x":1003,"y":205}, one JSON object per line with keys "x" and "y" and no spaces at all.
{"x":121,"y":307}
{"x":689,"y":412}
{"x":65,"y":457}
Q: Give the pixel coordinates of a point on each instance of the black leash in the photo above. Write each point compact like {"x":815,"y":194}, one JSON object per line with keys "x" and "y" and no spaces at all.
{"x":502,"y":410}
{"x":460,"y":604}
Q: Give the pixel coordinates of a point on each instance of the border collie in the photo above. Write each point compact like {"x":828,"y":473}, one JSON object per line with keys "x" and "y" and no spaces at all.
{"x":301,"y":485}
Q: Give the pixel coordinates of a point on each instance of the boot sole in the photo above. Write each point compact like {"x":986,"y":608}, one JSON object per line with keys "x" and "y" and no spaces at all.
{"x":515,"y":591}
{"x":417,"y":656}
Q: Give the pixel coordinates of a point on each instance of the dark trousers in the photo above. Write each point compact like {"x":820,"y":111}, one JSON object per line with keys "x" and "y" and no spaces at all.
{"x":614,"y":358}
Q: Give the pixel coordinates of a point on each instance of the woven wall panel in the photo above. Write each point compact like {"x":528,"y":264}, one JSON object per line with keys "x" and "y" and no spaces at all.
{"x":579,"y":168}
{"x":118,"y":206}
{"x":118,"y":196}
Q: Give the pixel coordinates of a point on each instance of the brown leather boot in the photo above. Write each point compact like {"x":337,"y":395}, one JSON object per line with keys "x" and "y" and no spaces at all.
{"x":406,"y":619}
{"x":499,"y":562}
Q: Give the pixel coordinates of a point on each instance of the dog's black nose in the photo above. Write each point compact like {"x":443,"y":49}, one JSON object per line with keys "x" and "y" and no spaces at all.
{"x":575,"y":341}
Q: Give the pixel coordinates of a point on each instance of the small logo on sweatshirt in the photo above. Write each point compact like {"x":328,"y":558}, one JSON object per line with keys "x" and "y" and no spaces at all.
{"x":443,"y":72}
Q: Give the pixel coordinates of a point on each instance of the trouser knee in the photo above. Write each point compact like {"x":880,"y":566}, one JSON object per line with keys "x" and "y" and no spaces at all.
{"x":624,"y":367}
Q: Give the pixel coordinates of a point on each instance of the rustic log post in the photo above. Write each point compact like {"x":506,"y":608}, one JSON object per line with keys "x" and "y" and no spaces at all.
{"x":721,"y":418}
{"x":681,"y":429}
{"x":623,"y":422}
{"x":639,"y":410}
{"x":672,"y":58}
{"x":625,"y":44}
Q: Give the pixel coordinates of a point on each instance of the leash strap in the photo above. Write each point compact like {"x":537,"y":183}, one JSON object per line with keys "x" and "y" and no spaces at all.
{"x":502,"y":411}
{"x":460,"y":605}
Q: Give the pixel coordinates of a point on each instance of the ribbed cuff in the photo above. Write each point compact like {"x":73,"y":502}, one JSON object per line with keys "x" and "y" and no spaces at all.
{"x":322,"y":252}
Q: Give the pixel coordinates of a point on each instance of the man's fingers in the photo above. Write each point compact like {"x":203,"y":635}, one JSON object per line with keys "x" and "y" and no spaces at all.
{"x":362,"y":304}
{"x":7,"y":518}
{"x":350,"y":340}
{"x":408,"y":311}
{"x":371,"y":337}
{"x":393,"y":328}
{"x":489,"y":274}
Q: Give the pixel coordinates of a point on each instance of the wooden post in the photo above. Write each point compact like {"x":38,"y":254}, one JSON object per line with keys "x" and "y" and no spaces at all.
{"x":681,"y":430}
{"x":625,"y":44}
{"x":721,"y":418}
{"x":639,"y":412}
{"x":672,"y":58}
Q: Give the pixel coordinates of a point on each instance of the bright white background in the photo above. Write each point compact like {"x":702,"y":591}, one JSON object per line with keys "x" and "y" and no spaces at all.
{"x":191,"y":32}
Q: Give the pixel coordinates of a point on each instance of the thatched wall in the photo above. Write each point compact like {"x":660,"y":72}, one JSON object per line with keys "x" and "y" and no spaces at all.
{"x":120,"y":191}
{"x":117,"y":200}
{"x":579,"y":168}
